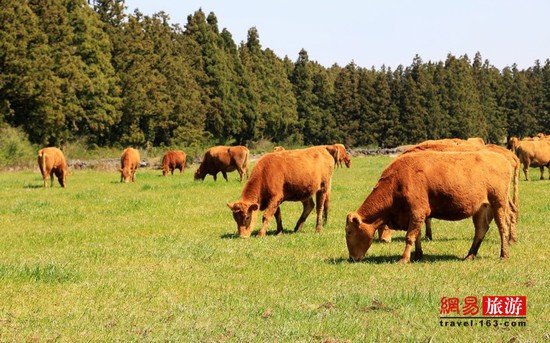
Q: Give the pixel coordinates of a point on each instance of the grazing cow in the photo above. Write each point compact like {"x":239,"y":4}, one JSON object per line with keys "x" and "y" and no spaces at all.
{"x":129,"y":162}
{"x":292,"y":175}
{"x":534,"y":154}
{"x":224,"y":159}
{"x":278,"y":148}
{"x":510,"y":157}
{"x":172,"y":160}
{"x":339,"y":153}
{"x":434,"y":184}
{"x":52,"y":161}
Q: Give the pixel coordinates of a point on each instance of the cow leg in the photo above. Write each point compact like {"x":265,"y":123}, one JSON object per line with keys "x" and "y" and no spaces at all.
{"x":418,"y":254}
{"x":279,"y":220}
{"x":482,"y":218}
{"x":321,"y":197}
{"x":500,"y":219}
{"x":526,"y":170}
{"x":51,"y":178}
{"x":428,"y":223}
{"x":241,"y":173}
{"x":541,"y":172}
{"x":308,"y":207}
{"x":413,"y":232}
{"x":384,"y":234}
{"x":268,"y":213}
{"x":225,"y":175}
{"x":45,"y":179}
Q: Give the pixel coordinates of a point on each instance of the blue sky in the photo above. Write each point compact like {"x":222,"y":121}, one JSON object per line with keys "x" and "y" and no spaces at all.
{"x":373,"y":33}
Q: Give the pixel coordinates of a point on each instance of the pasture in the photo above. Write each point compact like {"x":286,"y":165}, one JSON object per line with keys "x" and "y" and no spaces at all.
{"x":159,"y":260}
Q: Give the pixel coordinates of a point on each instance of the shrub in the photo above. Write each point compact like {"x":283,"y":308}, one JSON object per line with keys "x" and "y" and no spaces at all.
{"x":15,"y":149}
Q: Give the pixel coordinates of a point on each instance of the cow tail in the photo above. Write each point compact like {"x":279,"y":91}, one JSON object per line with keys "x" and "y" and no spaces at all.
{"x":245,"y":167}
{"x":325,"y":210}
{"x":42,"y":159}
{"x":513,"y":236}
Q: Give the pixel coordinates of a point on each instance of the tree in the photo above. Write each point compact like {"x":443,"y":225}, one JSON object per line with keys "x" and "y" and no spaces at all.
{"x":274,"y":99}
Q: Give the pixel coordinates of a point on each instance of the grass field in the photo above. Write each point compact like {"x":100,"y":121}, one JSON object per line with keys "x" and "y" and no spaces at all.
{"x":158,"y":260}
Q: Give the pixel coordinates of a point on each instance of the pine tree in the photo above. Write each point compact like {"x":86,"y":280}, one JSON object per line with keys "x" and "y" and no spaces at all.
{"x":461,"y":101}
{"x":275,"y":102}
{"x":347,"y":105}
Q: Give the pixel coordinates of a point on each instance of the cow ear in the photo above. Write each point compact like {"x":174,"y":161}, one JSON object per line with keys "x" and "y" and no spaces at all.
{"x":353,"y":217}
{"x":253,"y":207}
{"x":230,"y":205}
{"x":120,"y":170}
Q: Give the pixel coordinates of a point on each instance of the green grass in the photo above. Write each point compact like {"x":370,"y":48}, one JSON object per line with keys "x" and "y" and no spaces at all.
{"x":158,"y":260}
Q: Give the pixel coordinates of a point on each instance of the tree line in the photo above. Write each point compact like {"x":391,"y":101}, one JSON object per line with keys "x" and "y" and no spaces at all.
{"x":71,"y":70}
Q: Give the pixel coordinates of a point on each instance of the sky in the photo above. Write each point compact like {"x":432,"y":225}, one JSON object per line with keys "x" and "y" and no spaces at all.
{"x":384,"y":32}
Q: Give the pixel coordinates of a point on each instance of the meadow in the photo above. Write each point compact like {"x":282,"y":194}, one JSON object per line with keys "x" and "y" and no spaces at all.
{"x":159,"y":260}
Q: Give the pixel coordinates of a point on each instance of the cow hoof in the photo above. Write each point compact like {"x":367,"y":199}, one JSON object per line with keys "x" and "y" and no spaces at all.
{"x":469,"y":258}
{"x":404,"y":261}
{"x":385,"y":240}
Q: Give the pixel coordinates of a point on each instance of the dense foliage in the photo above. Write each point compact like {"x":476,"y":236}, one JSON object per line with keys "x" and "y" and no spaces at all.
{"x":70,"y":70}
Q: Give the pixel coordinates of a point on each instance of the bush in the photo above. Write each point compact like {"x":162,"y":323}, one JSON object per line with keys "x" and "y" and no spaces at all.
{"x":15,"y":149}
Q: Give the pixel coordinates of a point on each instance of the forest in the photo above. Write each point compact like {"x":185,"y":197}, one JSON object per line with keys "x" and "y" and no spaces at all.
{"x":79,"y":70}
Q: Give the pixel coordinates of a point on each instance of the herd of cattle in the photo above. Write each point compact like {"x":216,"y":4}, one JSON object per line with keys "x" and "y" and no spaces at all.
{"x":448,"y":179}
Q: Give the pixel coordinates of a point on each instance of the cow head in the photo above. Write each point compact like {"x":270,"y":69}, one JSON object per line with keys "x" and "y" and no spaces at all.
{"x":347,"y":161}
{"x":199,"y":175}
{"x":165,"y":171}
{"x":125,"y":175}
{"x":244,"y":215}
{"x":359,"y":236}
{"x":513,"y":144}
{"x":62,"y":174}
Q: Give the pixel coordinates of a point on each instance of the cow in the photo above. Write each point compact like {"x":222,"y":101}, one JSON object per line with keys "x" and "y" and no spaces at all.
{"x":278,"y":148}
{"x":129,"y":162}
{"x":514,"y":162}
{"x":224,"y":159}
{"x":52,"y":162}
{"x":339,"y":153}
{"x":292,"y":175}
{"x":434,"y":184}
{"x":172,"y":160}
{"x":534,"y":154}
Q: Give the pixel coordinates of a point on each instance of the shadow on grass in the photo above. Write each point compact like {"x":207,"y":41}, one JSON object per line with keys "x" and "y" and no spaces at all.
{"x":255,"y":234}
{"x":394,"y":259}
{"x":424,"y":239}
{"x":33,"y":186}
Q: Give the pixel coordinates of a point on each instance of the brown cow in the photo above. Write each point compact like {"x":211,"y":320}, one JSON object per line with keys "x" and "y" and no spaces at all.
{"x":129,"y":162}
{"x":292,"y":175}
{"x":339,"y":153}
{"x":224,"y":159}
{"x":534,"y":154}
{"x":172,"y":160}
{"x":514,"y":162}
{"x":52,"y":161}
{"x":434,"y":184}
{"x":278,"y":148}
